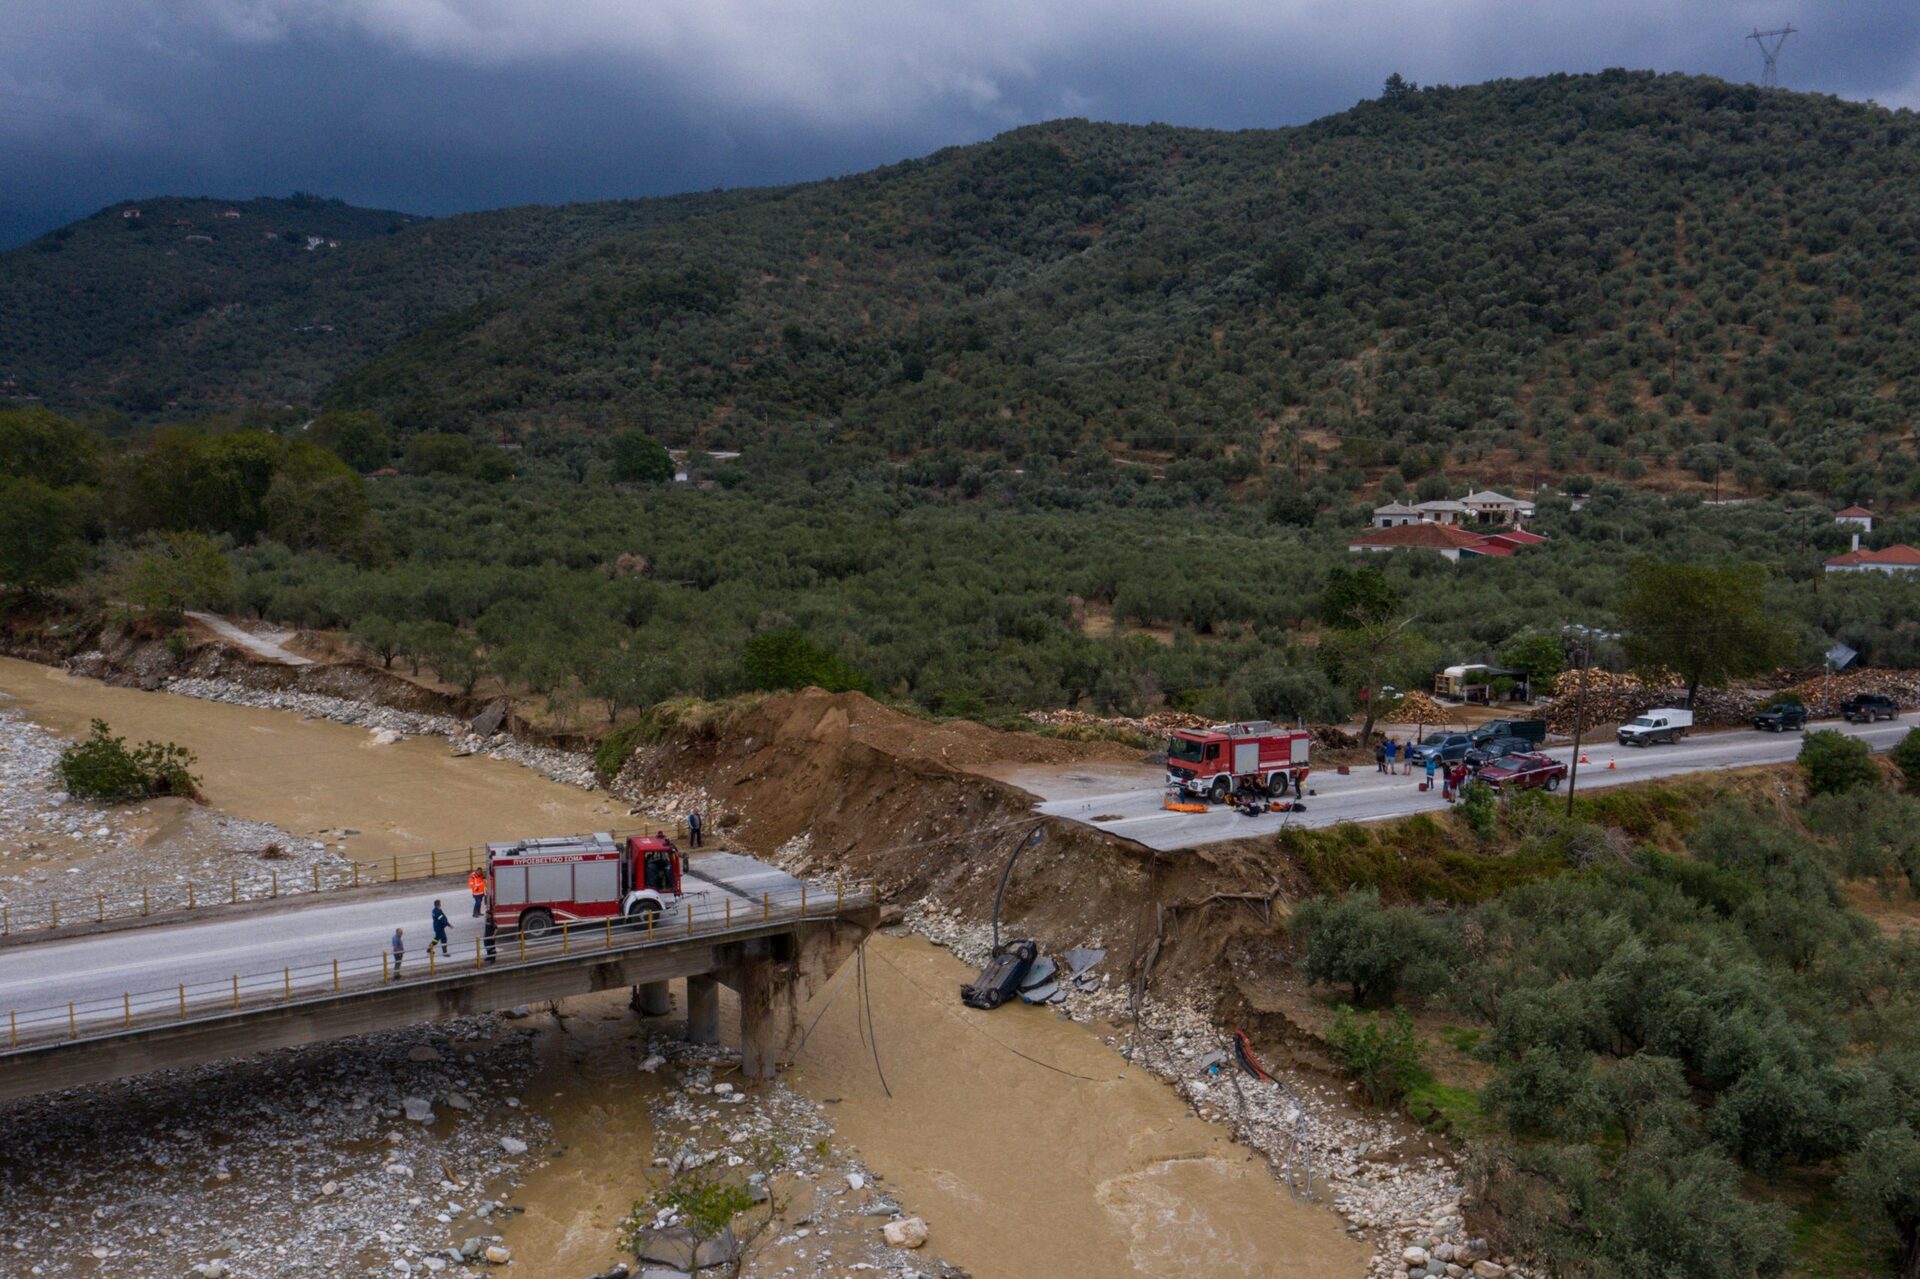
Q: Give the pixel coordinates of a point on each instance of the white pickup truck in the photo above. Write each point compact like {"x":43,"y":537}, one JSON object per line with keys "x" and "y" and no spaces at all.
{"x":1661,"y":724}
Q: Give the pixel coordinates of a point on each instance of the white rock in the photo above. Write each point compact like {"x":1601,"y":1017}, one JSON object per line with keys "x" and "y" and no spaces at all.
{"x":331,"y":1188}
{"x":400,"y":1170}
{"x":513,"y":1145}
{"x":1489,"y":1270}
{"x":856,"y":1182}
{"x":908,"y":1232}
{"x":723,"y":1089}
{"x":498,"y":1254}
{"x":1414,"y":1256}
{"x":653,"y":1063}
{"x":418,"y":1109}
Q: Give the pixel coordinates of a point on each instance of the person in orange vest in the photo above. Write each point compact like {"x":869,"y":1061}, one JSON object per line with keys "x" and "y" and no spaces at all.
{"x":477,"y":885}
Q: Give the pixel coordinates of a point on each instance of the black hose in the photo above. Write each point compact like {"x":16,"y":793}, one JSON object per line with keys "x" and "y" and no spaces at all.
{"x":1026,"y":841}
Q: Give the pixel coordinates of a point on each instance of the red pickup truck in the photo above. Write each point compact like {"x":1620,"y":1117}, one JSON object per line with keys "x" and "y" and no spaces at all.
{"x":1520,"y":772}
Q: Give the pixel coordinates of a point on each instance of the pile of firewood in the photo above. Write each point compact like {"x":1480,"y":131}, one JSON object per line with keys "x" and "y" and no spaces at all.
{"x":1418,"y":708}
{"x":1155,"y":724}
{"x":1614,"y":699}
{"x":1828,"y":691}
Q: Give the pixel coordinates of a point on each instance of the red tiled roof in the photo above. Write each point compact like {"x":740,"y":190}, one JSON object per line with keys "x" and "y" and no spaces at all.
{"x":1438,"y":537}
{"x":1899,"y":554}
{"x":1853,"y":513}
{"x":1521,"y":535}
{"x":1493,"y":546}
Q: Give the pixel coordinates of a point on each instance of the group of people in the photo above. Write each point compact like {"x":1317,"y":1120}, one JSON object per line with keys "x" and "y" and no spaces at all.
{"x":476,"y":885}
{"x":1450,"y":778}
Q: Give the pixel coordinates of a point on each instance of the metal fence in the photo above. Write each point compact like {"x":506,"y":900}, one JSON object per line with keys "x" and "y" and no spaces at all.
{"x":713,"y":914}
{"x":156,"y":897}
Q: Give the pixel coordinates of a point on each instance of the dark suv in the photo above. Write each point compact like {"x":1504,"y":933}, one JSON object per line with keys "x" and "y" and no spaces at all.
{"x":1864,"y":708}
{"x":1492,"y":748}
{"x":1782,"y":718}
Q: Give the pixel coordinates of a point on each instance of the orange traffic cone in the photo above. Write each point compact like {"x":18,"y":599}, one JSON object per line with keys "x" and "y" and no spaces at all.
{"x":1609,"y":761}
{"x":1584,"y":760}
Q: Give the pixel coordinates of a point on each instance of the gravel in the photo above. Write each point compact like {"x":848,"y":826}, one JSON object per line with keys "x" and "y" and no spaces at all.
{"x":291,"y":1164}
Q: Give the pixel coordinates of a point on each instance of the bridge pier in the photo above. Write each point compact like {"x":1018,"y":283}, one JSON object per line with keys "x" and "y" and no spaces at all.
{"x":652,"y":999}
{"x":703,"y":1008}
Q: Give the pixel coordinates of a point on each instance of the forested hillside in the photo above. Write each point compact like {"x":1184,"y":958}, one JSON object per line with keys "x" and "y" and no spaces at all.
{"x":1667,"y":279}
{"x":1661,"y":278}
{"x":200,"y":305}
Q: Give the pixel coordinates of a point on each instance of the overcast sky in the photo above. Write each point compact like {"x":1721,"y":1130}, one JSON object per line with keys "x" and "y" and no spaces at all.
{"x":435,"y":106}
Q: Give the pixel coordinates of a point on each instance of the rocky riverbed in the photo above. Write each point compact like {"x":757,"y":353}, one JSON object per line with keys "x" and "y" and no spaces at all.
{"x":382,"y":1155}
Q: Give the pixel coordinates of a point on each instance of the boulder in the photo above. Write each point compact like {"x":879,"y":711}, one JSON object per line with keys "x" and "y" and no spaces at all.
{"x":513,"y":1145}
{"x":1489,"y":1270}
{"x":1414,"y":1257}
{"x":497,"y":1254}
{"x":676,"y":1247}
{"x":423,"y":1052}
{"x":456,"y":1101}
{"x":908,"y":1232}
{"x":418,"y":1109}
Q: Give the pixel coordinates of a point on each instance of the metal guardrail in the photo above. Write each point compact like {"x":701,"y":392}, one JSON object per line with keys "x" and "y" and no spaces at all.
{"x":157,"y":897}
{"x":188,"y":1003}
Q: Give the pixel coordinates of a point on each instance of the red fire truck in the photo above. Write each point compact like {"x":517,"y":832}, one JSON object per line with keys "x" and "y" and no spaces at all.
{"x":1223,"y":760}
{"x":536,"y":883}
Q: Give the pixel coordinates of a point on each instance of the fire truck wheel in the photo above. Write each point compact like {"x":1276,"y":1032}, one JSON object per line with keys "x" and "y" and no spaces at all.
{"x":641,"y":910}
{"x":536,"y":924}
{"x":1279,"y":784}
{"x":1219,"y":791}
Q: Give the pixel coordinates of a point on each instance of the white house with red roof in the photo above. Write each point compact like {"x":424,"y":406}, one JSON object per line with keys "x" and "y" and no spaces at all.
{"x":1858,"y":516}
{"x":1447,"y":540}
{"x":1898,"y":558}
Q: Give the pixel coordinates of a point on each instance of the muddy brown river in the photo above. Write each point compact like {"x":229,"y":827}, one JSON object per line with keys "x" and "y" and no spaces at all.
{"x":1026,"y":1142}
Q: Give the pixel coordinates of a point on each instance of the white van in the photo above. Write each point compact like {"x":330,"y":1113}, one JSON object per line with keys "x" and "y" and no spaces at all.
{"x":1661,"y":724}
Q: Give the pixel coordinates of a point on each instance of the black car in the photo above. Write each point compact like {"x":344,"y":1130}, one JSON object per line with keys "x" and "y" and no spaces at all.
{"x":1494,"y":748}
{"x":1864,"y":708}
{"x":1783,"y":718}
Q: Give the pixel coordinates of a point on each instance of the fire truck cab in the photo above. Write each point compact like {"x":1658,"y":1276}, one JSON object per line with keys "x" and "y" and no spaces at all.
{"x":535,"y":884}
{"x":1245,"y":759}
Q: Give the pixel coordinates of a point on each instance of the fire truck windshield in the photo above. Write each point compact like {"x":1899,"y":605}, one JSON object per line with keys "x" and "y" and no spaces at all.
{"x":1185,"y":750}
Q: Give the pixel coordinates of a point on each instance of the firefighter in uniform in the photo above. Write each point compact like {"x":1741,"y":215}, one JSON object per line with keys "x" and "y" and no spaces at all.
{"x":477,"y":885}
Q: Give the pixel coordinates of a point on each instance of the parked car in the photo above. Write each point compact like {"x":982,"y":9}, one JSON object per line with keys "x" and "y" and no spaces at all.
{"x":1784,"y":717}
{"x":1493,"y":748}
{"x":1533,"y":730}
{"x":1524,"y":771}
{"x":1864,"y":708}
{"x":1446,"y":747}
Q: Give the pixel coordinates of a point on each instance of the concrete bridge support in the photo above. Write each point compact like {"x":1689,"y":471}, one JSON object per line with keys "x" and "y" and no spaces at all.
{"x":774,"y":976}
{"x":653,"y":999}
{"x":703,"y":1008}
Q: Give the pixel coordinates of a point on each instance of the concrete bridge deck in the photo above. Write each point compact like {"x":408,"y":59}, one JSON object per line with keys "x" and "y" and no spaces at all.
{"x":192,"y":989}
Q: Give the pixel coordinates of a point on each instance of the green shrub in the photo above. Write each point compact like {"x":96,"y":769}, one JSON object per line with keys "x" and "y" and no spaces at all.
{"x":1906,"y":757}
{"x":1373,"y":949}
{"x":1478,"y":808}
{"x":1833,"y":762}
{"x":102,"y":767}
{"x":1382,"y":1050}
{"x":786,"y":658}
{"x":611,"y":755}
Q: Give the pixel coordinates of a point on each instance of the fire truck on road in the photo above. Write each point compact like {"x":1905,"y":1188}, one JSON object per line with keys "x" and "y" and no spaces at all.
{"x":1224,"y":760}
{"x":535,"y":884}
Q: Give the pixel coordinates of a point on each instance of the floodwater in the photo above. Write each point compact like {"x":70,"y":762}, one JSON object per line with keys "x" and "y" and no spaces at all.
{"x":1031,"y":1148}
{"x":1025,"y":1142}
{"x":310,"y":776}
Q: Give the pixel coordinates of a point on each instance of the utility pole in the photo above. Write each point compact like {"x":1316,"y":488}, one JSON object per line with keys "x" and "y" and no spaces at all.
{"x":1769,"y":43}
{"x":1579,"y":719}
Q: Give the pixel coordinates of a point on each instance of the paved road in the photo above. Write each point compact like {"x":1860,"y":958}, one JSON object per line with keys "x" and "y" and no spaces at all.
{"x":1129,"y":799}
{"x":310,"y":932}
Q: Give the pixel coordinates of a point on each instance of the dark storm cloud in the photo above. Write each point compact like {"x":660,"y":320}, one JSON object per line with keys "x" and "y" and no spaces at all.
{"x":440,"y":105}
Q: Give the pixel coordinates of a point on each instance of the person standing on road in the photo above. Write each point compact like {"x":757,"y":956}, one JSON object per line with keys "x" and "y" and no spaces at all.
{"x":439,"y":929}
{"x":399,"y":951}
{"x":694,"y":830}
{"x":477,"y":885}
{"x":492,"y":954}
{"x":1393,"y":754}
{"x":1433,"y":766}
{"x":1380,"y":755}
